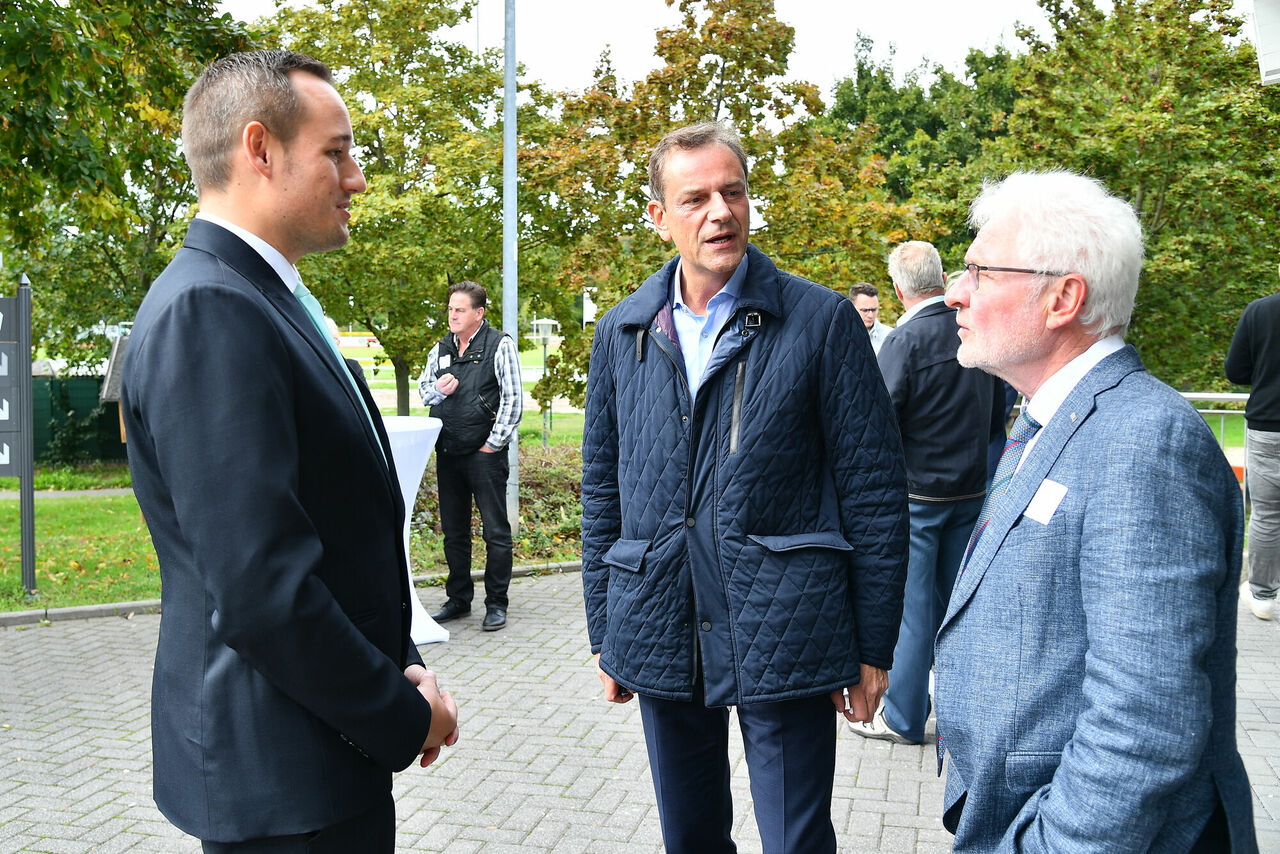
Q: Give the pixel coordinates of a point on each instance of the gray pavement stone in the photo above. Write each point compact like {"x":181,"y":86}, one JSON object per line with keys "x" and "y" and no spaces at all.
{"x":544,"y":764}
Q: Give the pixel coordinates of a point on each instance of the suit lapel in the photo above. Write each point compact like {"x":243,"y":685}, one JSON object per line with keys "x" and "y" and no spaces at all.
{"x":240,"y":256}
{"x":1074,"y":411}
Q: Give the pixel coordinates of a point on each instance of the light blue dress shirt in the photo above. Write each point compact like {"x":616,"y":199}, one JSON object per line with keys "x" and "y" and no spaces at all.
{"x":698,"y":333}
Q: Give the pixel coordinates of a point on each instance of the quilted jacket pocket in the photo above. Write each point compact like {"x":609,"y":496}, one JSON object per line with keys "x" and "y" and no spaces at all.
{"x":627,"y":554}
{"x":792,"y":542}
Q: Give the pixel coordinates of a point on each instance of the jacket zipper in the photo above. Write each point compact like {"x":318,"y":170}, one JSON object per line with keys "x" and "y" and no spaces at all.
{"x":736,"y":421}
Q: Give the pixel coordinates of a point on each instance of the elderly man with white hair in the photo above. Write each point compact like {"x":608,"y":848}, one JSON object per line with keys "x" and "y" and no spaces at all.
{"x":1086,"y":664}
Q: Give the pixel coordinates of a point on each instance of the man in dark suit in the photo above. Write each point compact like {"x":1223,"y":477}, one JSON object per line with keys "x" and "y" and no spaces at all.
{"x":947,"y":415}
{"x":1086,"y":666}
{"x":286,"y":689}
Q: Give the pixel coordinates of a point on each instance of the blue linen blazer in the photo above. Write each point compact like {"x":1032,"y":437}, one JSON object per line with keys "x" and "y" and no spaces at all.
{"x":1086,"y":668}
{"x":279,"y":702}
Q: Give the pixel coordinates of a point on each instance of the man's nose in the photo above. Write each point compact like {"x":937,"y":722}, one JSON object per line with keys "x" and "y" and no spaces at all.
{"x":957,"y":295}
{"x":719,"y":208}
{"x":354,"y":179}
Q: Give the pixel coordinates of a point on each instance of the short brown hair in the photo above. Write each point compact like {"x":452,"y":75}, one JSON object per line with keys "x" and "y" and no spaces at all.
{"x":230,"y":93}
{"x":864,"y":289}
{"x":690,"y":138}
{"x":479,"y":296}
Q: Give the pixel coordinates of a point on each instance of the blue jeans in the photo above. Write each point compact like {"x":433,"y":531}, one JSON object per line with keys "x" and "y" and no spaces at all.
{"x":939,"y":534}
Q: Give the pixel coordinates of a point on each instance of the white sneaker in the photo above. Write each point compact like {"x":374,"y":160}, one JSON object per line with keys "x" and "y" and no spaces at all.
{"x":1263,"y":609}
{"x":879,"y":728}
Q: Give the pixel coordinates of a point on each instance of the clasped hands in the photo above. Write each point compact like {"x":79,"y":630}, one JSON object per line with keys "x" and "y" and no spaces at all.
{"x":444,"y":713}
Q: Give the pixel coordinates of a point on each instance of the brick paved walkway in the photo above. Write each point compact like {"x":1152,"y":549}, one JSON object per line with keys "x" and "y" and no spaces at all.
{"x":544,"y":764}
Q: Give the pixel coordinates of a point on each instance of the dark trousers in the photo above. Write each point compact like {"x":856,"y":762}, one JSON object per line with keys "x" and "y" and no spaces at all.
{"x":482,"y":477}
{"x":790,"y":748}
{"x":373,"y":831}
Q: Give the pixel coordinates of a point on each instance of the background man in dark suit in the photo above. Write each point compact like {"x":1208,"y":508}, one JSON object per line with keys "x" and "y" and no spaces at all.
{"x":286,"y":689}
{"x":947,"y":415}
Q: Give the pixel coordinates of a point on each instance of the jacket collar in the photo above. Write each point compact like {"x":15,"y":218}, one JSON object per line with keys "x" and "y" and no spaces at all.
{"x":205,"y":236}
{"x":929,"y":310}
{"x":1079,"y":405}
{"x":761,"y":290}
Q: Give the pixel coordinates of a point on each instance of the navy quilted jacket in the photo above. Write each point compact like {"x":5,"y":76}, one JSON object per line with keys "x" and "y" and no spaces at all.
{"x":763,"y":530}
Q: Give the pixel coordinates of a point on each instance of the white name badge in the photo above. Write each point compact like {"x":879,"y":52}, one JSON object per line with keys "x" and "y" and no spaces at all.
{"x":444,"y":362}
{"x":1046,"y":500}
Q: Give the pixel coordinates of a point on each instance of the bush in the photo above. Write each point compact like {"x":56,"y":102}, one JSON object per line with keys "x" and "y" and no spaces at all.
{"x":550,"y":513}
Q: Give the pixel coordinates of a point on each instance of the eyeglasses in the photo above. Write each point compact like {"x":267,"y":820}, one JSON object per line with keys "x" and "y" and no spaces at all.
{"x":868,"y":311}
{"x":974,"y":269}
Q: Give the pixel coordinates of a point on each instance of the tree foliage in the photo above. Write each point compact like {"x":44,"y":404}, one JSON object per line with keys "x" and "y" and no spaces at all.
{"x":89,"y":114}
{"x":1157,"y":98}
{"x":1160,"y":100}
{"x":427,"y":119}
{"x":821,"y":205}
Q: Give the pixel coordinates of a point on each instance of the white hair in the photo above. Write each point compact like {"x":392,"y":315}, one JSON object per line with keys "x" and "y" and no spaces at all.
{"x":1070,"y":223}
{"x":916,"y":268}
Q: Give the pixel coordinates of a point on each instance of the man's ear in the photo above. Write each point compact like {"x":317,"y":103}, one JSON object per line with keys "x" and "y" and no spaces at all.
{"x":256,"y":148}
{"x":1065,"y":300}
{"x":659,"y":216}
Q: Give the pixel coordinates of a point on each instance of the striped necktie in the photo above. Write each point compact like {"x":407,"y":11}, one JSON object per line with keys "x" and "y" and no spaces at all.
{"x":316,"y":313}
{"x":1023,"y":429}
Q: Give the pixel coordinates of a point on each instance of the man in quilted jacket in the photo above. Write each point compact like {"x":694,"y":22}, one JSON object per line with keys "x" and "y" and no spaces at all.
{"x":744,"y":513}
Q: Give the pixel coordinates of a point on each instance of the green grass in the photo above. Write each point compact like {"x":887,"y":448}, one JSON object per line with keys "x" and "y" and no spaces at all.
{"x":96,"y":549}
{"x":1234,"y":429}
{"x":88,"y":550}
{"x":88,"y":476}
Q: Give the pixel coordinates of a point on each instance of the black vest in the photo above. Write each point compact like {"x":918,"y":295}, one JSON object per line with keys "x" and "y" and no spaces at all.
{"x":468,"y":414}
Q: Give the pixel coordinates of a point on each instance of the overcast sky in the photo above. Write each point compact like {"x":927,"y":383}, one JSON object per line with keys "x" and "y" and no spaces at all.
{"x":559,"y":41}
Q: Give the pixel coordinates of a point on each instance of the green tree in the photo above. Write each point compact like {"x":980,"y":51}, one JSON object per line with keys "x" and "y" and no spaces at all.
{"x":89,"y":114}
{"x":427,"y":119}
{"x":923,"y":132}
{"x":1160,"y":99}
{"x":822,"y":201}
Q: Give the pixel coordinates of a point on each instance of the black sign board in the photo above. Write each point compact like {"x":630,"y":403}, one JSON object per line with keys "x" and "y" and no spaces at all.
{"x":8,"y":319}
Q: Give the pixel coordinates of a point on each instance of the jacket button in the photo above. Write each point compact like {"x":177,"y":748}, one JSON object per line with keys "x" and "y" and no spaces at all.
{"x":689,"y":521}
{"x":706,"y":625}
{"x":684,"y":417}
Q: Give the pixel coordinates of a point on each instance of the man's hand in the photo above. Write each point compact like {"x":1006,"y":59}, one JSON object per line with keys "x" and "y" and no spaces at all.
{"x":444,"y":713}
{"x":485,"y":449}
{"x":446,"y":383}
{"x":864,"y":698}
{"x":613,"y":692}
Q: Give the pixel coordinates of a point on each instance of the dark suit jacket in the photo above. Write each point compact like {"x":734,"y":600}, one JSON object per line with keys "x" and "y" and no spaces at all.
{"x":947,"y":414}
{"x":279,"y":703}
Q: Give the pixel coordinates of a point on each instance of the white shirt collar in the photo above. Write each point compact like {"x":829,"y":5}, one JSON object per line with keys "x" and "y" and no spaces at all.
{"x":920,"y":306}
{"x":1050,"y":396}
{"x":286,"y":271}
